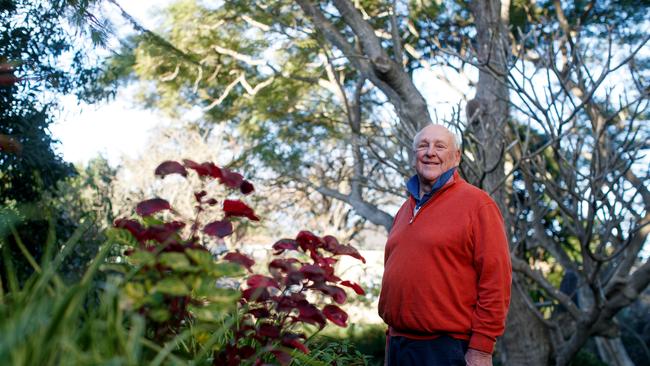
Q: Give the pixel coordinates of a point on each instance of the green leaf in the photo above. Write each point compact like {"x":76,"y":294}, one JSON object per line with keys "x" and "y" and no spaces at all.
{"x":121,"y":236}
{"x":172,"y":286}
{"x":177,"y":262}
{"x":142,"y":257}
{"x":159,"y":315}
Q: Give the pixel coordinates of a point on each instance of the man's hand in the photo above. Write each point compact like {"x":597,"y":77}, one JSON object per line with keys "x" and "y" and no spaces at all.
{"x":475,"y":357}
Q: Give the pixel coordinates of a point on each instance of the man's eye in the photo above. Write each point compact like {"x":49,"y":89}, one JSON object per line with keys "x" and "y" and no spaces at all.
{"x":423,"y":146}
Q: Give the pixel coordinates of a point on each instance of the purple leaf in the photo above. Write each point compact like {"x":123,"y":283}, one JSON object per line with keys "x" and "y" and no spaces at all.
{"x":150,"y":207}
{"x":336,"y":315}
{"x":170,"y":167}
{"x":218,"y":228}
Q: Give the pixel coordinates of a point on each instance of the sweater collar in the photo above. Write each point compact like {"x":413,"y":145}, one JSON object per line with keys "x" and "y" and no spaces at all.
{"x":413,"y":186}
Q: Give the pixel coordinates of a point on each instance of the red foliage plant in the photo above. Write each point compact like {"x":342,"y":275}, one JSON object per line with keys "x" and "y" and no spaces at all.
{"x":275,"y":305}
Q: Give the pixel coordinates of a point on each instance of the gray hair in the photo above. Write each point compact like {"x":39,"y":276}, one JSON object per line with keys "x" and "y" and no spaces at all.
{"x":455,"y":138}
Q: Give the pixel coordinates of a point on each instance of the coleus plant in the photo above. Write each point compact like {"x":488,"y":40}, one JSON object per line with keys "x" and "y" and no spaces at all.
{"x":173,"y":277}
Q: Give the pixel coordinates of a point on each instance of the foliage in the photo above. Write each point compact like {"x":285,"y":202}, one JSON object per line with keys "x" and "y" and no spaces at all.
{"x":40,"y":59}
{"x":171,"y":278}
{"x":45,"y":321}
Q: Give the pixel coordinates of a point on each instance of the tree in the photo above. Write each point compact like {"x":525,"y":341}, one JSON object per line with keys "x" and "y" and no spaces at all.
{"x":33,"y":44}
{"x":324,"y":94}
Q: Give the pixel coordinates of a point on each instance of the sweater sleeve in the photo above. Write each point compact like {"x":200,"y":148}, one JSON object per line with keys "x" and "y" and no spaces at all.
{"x":494,"y":270}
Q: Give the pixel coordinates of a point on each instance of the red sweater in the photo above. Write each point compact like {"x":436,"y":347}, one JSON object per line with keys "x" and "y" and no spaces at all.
{"x":447,"y":269}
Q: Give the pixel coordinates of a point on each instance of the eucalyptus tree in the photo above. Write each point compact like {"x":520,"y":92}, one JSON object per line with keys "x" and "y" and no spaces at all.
{"x":327,"y":96}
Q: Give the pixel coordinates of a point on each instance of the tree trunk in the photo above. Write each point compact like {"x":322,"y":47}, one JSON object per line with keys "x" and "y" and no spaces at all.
{"x":612,"y":351}
{"x":526,"y":340}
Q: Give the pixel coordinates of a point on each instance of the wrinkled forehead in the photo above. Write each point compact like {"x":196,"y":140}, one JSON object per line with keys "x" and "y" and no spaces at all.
{"x":434,"y":133}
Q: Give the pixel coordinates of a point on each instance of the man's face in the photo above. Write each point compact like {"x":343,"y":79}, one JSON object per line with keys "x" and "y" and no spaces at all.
{"x":435,"y":153}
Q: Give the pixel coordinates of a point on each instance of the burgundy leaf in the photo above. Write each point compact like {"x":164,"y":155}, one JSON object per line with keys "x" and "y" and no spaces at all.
{"x":260,"y":313}
{"x":283,"y":358}
{"x":218,"y":228}
{"x":284,"y":264}
{"x":358,"y":289}
{"x":212,"y":202}
{"x":230,"y":178}
{"x":330,"y":243}
{"x":292,"y":340}
{"x":164,"y":234}
{"x":132,"y":226}
{"x":170,"y":167}
{"x":286,"y":303}
{"x":336,"y":315}
{"x":242,"y":259}
{"x":283,"y":244}
{"x":269,"y":330}
{"x":256,"y":294}
{"x":313,"y":272}
{"x":308,"y":240}
{"x":293,"y":278}
{"x":310,"y":314}
{"x":246,"y":187}
{"x":335,"y":292}
{"x":261,"y":281}
{"x":349,"y":250}
{"x":213,"y":170}
{"x":150,"y":207}
{"x":246,"y":351}
{"x":201,"y":170}
{"x":238,"y":208}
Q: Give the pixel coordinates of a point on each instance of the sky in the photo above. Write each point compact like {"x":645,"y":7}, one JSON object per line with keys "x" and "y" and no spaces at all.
{"x":116,"y":128}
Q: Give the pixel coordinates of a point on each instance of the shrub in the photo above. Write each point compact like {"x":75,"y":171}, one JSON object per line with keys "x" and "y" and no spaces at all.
{"x":170,"y":277}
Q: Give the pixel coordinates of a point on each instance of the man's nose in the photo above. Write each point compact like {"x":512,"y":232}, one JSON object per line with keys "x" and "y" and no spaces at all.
{"x":431,"y":150}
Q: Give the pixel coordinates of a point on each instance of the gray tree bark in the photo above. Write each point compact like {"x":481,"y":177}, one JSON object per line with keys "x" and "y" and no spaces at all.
{"x":526,"y":340}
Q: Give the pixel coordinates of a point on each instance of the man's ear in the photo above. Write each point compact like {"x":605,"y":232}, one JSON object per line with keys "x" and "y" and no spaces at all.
{"x":457,"y":156}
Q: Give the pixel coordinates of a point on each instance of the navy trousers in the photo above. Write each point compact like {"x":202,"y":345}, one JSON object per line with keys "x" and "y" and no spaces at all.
{"x":442,"y":351}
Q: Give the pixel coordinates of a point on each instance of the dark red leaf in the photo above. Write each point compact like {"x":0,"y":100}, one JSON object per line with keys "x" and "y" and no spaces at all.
{"x":260,"y":313}
{"x":358,"y":289}
{"x":285,"y":244}
{"x":283,"y":358}
{"x":213,"y":170}
{"x":246,"y":187}
{"x":238,"y":208}
{"x":218,"y":228}
{"x":284,"y":264}
{"x":230,"y":178}
{"x":170,"y":167}
{"x":201,"y":170}
{"x":256,"y":294}
{"x":293,"y":278}
{"x":313,"y":272}
{"x":292,"y":340}
{"x":150,"y":207}
{"x":242,"y":259}
{"x":308,"y":240}
{"x":261,"y":281}
{"x":164,"y":234}
{"x":246,"y":351}
{"x":336,"y":315}
{"x":308,"y":313}
{"x":335,"y":292}
{"x":269,"y":330}
{"x":132,"y":226}
{"x":212,"y":202}
{"x":330,"y":243}
{"x":349,"y":250}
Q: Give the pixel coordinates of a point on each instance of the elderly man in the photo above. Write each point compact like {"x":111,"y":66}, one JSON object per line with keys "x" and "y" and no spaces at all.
{"x":446,"y":286}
